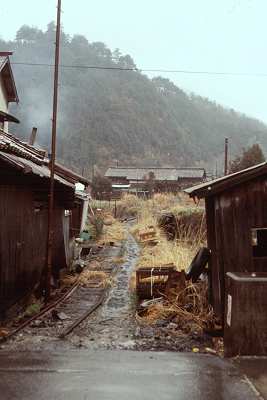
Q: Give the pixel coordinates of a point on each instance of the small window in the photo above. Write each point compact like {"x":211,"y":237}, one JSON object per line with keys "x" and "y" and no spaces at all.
{"x":259,"y":242}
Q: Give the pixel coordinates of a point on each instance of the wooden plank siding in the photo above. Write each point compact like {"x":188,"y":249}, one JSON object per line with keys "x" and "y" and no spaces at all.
{"x":23,"y":234}
{"x":23,"y":231}
{"x":231,"y":216}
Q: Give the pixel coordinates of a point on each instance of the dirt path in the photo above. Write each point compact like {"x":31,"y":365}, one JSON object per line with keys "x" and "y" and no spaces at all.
{"x":113,"y":325}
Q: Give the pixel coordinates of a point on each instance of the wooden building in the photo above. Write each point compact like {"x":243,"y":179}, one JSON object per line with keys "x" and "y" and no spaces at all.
{"x":236,"y":215}
{"x":24,"y":189}
{"x":8,"y":91}
{"x":162,"y":179}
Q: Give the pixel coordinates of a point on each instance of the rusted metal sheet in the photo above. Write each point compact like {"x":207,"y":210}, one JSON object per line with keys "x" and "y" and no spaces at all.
{"x":245,"y":323}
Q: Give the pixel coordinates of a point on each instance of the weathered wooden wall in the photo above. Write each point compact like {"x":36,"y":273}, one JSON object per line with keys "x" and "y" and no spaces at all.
{"x":61,"y":238}
{"x":76,"y":218}
{"x":230,"y":217}
{"x":23,"y":232}
{"x":23,"y":235}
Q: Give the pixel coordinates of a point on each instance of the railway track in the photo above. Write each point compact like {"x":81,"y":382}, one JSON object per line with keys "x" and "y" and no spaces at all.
{"x":87,"y":299}
{"x":72,"y":308}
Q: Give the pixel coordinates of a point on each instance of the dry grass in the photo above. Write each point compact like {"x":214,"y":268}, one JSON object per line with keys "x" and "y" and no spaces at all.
{"x":68,"y":280}
{"x":95,"y":279}
{"x":180,"y":252}
{"x":189,"y":309}
{"x":113,"y":230}
{"x":128,"y":206}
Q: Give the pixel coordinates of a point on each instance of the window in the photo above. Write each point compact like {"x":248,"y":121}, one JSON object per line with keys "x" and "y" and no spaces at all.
{"x":259,"y":242}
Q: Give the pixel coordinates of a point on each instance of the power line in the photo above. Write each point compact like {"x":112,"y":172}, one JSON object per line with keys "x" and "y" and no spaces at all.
{"x":176,"y":71}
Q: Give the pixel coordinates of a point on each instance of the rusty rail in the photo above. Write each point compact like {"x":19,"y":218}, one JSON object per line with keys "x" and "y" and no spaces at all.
{"x":98,"y":303}
{"x":76,"y":323}
{"x":41,"y":313}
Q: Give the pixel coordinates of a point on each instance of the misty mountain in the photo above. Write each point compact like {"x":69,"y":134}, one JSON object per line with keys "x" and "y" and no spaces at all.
{"x":114,"y":115}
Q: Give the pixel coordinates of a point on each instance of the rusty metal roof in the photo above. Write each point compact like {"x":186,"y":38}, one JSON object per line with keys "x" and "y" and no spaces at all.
{"x":30,"y":159}
{"x":161,"y":174}
{"x":224,"y":183}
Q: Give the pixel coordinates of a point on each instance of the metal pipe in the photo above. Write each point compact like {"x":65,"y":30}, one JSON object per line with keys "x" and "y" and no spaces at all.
{"x":33,"y":136}
{"x":52,"y":161}
{"x":226,"y":156}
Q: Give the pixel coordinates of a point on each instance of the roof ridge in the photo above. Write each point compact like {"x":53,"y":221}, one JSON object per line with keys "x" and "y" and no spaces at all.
{"x":121,"y":167}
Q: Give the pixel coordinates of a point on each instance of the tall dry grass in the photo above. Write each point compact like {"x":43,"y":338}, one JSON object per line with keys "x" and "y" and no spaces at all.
{"x":179,"y":252}
{"x":188,"y":308}
{"x":113,"y":230}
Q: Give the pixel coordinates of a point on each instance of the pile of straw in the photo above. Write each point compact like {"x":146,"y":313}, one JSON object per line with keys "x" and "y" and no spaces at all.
{"x":114,"y":231}
{"x":96,"y":279}
{"x":189,"y":309}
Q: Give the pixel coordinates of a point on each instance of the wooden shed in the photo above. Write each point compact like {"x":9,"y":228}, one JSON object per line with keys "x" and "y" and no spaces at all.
{"x":24,"y":188}
{"x":236,"y":215}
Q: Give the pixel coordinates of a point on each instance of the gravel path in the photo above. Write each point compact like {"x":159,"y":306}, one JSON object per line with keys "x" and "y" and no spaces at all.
{"x":113,"y":325}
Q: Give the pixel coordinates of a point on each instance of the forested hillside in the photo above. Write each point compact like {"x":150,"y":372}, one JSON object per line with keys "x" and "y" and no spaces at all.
{"x":107,"y":115}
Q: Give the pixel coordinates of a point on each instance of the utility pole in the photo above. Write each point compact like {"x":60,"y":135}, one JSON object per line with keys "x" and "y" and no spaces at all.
{"x":50,"y":231}
{"x":226,"y":156}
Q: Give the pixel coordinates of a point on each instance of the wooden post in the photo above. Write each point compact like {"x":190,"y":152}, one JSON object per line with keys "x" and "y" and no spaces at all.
{"x":52,"y":162}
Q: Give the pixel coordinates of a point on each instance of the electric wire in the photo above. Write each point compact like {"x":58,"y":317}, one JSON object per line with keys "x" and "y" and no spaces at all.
{"x":157,"y":70}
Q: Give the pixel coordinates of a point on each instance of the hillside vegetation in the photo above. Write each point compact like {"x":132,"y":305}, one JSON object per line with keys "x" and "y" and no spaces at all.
{"x":110,"y":115}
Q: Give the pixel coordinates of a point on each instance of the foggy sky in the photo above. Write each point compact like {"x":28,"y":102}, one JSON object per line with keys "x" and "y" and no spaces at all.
{"x":202,"y":35}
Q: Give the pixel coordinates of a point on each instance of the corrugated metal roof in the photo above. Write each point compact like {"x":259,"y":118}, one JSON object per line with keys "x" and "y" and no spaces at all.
{"x":227,"y":182}
{"x":29,"y":167}
{"x":161,"y":174}
{"x":34,"y":160}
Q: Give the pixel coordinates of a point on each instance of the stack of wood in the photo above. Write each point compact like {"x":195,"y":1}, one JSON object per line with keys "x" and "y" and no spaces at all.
{"x":152,"y":282}
{"x":148,"y":235}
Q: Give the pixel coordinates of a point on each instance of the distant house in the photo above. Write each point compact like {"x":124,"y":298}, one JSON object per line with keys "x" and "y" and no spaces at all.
{"x":24,"y":189}
{"x":8,"y":91}
{"x":164,"y":179}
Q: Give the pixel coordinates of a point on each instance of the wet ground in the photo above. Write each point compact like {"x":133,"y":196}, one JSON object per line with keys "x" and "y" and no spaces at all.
{"x":93,"y":361}
{"x":113,"y":325}
{"x":120,"y":375}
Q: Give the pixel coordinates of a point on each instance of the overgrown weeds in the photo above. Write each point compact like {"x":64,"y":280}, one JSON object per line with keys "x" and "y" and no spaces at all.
{"x":113,"y":231}
{"x":188,"y":308}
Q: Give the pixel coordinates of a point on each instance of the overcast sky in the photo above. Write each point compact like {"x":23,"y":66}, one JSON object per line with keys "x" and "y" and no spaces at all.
{"x":194,"y":35}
